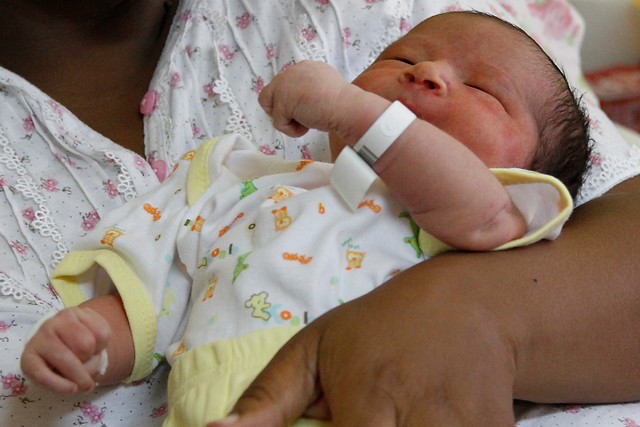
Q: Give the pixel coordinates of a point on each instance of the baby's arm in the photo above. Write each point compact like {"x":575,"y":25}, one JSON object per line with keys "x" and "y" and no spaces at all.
{"x":448,"y":190}
{"x":64,"y":354}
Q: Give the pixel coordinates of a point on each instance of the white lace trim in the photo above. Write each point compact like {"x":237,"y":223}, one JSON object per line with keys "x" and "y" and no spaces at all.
{"x":612,"y":170}
{"x":43,"y":221}
{"x":125,"y":186}
{"x":393,"y":31}
{"x":307,"y":40}
{"x":125,"y":183}
{"x":237,"y":122}
{"x":11,"y":288}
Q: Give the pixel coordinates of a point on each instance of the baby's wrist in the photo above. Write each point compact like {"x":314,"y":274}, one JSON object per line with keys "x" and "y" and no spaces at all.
{"x":352,"y":173}
{"x":384,"y":132}
{"x":356,"y":112}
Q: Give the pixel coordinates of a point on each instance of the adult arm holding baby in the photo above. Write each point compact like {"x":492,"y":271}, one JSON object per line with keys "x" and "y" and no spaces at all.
{"x":454,"y":340}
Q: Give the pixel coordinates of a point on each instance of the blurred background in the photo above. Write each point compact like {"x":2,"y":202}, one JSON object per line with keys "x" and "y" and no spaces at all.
{"x":611,"y":56}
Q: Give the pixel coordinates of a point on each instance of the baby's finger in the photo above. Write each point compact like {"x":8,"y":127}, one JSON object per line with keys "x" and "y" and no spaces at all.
{"x":56,"y":367}
{"x":98,"y":325}
{"x":85,"y":334}
{"x":64,"y":343}
{"x":37,"y":369}
{"x":289,"y":127}
{"x":265,"y":99}
{"x":71,"y":368}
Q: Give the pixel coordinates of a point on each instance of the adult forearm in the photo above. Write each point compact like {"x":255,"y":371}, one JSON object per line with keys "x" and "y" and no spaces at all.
{"x":570,"y":309}
{"x":583,"y":314}
{"x":452,"y":341}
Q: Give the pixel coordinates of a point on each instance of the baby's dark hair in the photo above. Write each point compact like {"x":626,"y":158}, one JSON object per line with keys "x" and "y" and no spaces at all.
{"x":564,"y":145}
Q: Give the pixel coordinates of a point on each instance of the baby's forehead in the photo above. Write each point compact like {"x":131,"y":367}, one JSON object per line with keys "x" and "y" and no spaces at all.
{"x":476,"y":36}
{"x":464,"y":23}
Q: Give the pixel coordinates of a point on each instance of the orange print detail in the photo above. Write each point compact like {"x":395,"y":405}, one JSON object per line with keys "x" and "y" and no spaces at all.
{"x":189,"y":155}
{"x":282,"y":220}
{"x":197,"y":226}
{"x":295,"y":257}
{"x":302,"y":164}
{"x":285,"y":315}
{"x":153,"y":211}
{"x":321,"y":209}
{"x":226,"y":227}
{"x":355,"y":259}
{"x":281,"y":193}
{"x":179,"y":350}
{"x":110,"y":235}
{"x":209,"y":293}
{"x":369,"y":204}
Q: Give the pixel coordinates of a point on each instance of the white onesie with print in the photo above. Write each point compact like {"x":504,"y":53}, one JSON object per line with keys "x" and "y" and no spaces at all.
{"x":236,"y":241}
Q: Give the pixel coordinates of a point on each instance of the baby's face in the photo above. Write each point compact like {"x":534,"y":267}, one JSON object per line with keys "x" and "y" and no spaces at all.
{"x":470,"y":77}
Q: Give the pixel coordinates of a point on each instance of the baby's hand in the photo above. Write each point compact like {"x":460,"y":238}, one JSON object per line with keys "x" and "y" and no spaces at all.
{"x":309,"y":95}
{"x":64,"y":354}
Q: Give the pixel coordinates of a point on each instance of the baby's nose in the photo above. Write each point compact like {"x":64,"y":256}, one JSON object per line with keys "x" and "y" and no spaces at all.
{"x":431,"y":75}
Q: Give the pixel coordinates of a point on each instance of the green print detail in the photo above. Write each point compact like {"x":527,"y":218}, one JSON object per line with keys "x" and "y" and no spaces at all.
{"x":349,"y":244}
{"x":203,"y":263}
{"x":247,"y":188}
{"x":414,"y":227}
{"x":412,"y":240}
{"x":169,"y":299}
{"x":240,"y":266}
{"x":158,"y":357}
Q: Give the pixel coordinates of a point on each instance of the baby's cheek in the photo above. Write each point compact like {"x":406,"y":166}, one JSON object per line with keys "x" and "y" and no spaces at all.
{"x":503,"y":150}
{"x":518,"y":151}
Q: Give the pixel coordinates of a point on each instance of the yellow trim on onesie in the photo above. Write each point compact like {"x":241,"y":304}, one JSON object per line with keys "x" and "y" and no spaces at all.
{"x":198,"y":175}
{"x":205,"y":382}
{"x":139,"y":309}
{"x":510,"y":176}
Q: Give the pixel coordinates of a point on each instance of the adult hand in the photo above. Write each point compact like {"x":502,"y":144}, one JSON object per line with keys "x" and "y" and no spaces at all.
{"x":405,"y":354}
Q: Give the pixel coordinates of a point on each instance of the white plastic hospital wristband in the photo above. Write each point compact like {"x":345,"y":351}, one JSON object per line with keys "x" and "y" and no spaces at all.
{"x":352,"y":175}
{"x":384,"y":131}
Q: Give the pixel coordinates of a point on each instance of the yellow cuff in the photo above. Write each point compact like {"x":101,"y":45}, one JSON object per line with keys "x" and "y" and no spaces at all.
{"x":206,"y":381}
{"x":509,"y":176}
{"x":138,"y":306}
{"x":198,"y":176}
